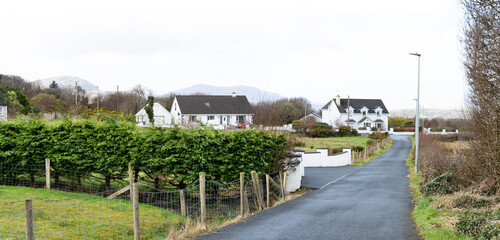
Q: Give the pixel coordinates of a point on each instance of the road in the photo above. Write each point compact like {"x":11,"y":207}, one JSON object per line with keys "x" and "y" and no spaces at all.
{"x":369,"y":202}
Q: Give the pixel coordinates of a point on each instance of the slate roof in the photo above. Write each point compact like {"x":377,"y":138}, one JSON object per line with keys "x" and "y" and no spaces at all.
{"x":363,"y":119}
{"x":358,"y":104}
{"x":210,"y":104}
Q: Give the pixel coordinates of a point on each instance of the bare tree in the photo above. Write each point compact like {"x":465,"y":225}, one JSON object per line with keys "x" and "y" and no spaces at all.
{"x":481,"y":43}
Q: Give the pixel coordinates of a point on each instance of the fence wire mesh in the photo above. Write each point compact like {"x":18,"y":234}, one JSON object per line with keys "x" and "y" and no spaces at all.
{"x":94,"y":216}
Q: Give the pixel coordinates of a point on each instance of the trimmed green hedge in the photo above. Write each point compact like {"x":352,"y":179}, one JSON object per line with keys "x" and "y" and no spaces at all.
{"x":177,"y":155}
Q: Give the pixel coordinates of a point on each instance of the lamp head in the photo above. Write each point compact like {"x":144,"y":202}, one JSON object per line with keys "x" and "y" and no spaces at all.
{"x":415,"y":54}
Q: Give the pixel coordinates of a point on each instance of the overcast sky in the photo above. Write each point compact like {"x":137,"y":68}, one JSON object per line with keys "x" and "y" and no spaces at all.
{"x":311,"y":49}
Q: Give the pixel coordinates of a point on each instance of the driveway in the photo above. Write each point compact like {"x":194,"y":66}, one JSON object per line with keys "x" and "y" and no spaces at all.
{"x":369,"y":202}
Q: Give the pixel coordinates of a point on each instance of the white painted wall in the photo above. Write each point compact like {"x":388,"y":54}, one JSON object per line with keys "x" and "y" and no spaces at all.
{"x":162,"y":116}
{"x":3,"y":113}
{"x":320,"y":158}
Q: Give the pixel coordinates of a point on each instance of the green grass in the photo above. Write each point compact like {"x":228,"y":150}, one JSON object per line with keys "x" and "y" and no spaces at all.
{"x":431,"y":222}
{"x":311,"y":144}
{"x":376,"y":154}
{"x":78,"y":216}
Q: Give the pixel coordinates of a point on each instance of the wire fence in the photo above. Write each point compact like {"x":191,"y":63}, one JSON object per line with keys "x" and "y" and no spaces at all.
{"x":115,"y":212}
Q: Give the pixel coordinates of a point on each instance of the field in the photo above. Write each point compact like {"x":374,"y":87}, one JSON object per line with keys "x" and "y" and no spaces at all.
{"x":79,"y":216}
{"x":311,"y":144}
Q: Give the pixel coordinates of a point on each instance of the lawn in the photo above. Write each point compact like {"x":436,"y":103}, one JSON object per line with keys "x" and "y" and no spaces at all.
{"x":311,"y":144}
{"x":79,"y":216}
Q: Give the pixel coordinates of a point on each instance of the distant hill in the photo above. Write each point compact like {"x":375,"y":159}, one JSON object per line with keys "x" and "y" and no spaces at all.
{"x":67,"y":82}
{"x":253,"y":94}
{"x":427,"y":113}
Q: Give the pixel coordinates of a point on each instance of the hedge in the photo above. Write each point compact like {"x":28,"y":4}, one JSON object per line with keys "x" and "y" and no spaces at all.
{"x":106,"y":147}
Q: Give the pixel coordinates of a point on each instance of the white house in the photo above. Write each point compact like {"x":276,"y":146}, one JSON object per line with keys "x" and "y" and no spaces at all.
{"x":310,"y":116}
{"x":162,"y":116}
{"x":360,"y":112}
{"x":218,"y":111}
{"x":3,"y":111}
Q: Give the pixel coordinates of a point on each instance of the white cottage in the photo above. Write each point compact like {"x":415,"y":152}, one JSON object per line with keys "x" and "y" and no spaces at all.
{"x":218,"y":111}
{"x":162,"y":116}
{"x":360,"y":112}
{"x":3,"y":111}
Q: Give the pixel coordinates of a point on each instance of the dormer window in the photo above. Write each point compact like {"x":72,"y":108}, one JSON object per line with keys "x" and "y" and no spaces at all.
{"x":379,"y":112}
{"x":364,"y":112}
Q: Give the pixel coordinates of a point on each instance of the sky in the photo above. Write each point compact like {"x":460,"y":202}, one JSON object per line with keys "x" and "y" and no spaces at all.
{"x":311,"y":49}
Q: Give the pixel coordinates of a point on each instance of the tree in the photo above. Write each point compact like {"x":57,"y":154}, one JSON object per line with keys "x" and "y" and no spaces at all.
{"x":54,"y":85}
{"x":149,"y":110}
{"x":481,"y":43}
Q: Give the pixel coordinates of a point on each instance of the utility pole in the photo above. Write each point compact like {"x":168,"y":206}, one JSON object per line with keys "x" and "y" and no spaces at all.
{"x":76,"y":93}
{"x":117,"y":93}
{"x":97,"y":100}
{"x":348,"y":110}
{"x":418,"y":113}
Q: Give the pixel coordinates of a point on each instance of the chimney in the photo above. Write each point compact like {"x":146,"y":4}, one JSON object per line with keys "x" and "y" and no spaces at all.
{"x":337,"y":100}
{"x":233,"y":94}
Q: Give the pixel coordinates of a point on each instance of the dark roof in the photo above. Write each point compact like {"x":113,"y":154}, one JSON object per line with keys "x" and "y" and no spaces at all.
{"x":358,"y":104}
{"x":363,"y":119}
{"x":379,"y":121}
{"x":350,"y":120}
{"x":209,"y":104}
{"x":2,"y":103}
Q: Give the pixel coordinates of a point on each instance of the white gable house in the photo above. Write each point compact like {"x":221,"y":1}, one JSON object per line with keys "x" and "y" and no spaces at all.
{"x":356,"y":113}
{"x":3,"y":111}
{"x":162,"y":116}
{"x":217,"y":111}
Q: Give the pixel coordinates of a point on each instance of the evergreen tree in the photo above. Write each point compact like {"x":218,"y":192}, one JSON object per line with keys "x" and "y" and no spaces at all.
{"x":54,"y":85}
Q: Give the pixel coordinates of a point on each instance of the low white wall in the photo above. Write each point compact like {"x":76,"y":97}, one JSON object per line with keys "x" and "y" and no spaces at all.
{"x":320,"y":158}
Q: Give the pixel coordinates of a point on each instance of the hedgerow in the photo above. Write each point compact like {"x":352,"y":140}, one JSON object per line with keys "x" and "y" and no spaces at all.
{"x":172,"y":155}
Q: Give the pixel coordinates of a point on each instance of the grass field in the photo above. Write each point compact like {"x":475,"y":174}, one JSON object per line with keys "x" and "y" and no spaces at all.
{"x":311,"y":144}
{"x":62,"y":215}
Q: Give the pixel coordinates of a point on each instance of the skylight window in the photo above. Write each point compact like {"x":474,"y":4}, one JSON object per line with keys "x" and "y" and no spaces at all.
{"x":207,"y":104}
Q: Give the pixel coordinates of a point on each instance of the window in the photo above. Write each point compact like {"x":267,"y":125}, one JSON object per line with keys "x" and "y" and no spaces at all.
{"x":192,"y":118}
{"x":364,"y":113}
{"x":207,"y":104}
{"x":210,"y":118}
{"x":378,"y":112}
{"x":368,"y":125}
{"x":240,"y":118}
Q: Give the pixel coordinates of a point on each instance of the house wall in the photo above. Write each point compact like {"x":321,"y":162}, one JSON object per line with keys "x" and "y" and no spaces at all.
{"x":223,"y":120}
{"x":332,"y":115}
{"x":162,"y":116}
{"x":3,"y":113}
{"x":320,"y":158}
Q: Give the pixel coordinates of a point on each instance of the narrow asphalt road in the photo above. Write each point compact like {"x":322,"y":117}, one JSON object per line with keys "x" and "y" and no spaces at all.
{"x":370,"y":202}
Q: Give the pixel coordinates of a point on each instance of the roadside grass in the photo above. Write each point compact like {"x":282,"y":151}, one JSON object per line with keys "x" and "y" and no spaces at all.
{"x":432,"y":223}
{"x":374,"y":155}
{"x":79,"y":216}
{"x":311,"y":144}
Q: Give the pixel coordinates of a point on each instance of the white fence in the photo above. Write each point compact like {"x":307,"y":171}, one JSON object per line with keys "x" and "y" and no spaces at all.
{"x":320,"y":158}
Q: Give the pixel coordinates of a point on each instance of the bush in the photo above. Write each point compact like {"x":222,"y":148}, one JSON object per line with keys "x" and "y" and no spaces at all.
{"x":357,"y":148}
{"x":439,"y":185}
{"x":345,"y":131}
{"x":321,"y":130}
{"x":479,"y":224}
{"x":378,"y":135}
{"x":405,"y":129}
{"x":373,"y":129}
{"x":470,"y":201}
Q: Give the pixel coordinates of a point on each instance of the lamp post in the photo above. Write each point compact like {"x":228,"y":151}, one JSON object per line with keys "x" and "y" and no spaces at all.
{"x":418,"y":113}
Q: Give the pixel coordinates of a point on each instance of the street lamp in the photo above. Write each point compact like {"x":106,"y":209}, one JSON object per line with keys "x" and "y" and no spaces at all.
{"x":418,"y":113}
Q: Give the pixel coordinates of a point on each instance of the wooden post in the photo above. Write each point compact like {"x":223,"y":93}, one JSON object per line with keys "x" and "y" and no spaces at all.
{"x":183,"y":203}
{"x":256,"y":186}
{"x":203,"y":202}
{"x":131,"y":181}
{"x":47,"y":173}
{"x":28,"y":208}
{"x":281,"y":185}
{"x":267,"y":190}
{"x":242,"y":188}
{"x":284,"y":183}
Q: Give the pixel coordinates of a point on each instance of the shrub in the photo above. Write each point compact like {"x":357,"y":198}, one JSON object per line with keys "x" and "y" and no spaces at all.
{"x":362,"y":128}
{"x":378,"y":135}
{"x":470,"y":201}
{"x":357,"y":148}
{"x":345,"y":131}
{"x":404,"y":129}
{"x":439,"y":185}
{"x":321,"y":130}
{"x":335,"y":150}
{"x":479,"y":224}
{"x":373,"y":129}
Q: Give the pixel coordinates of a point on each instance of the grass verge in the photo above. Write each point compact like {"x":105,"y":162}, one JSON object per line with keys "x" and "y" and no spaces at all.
{"x":432,"y":223}
{"x":374,"y":155}
{"x":79,"y":216}
{"x":311,"y":144}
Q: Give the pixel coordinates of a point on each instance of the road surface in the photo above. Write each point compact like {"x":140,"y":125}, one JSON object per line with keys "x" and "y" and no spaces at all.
{"x":369,"y":202}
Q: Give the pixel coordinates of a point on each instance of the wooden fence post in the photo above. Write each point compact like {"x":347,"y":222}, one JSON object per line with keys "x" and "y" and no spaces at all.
{"x":183,"y":203}
{"x":131,"y":181}
{"x":281,"y":185}
{"x":242,"y":187}
{"x":134,"y":192}
{"x":284,"y":183}
{"x":47,"y":173}
{"x":267,"y":190}
{"x":28,"y":208}
{"x":256,"y":185}
{"x":203,"y":199}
